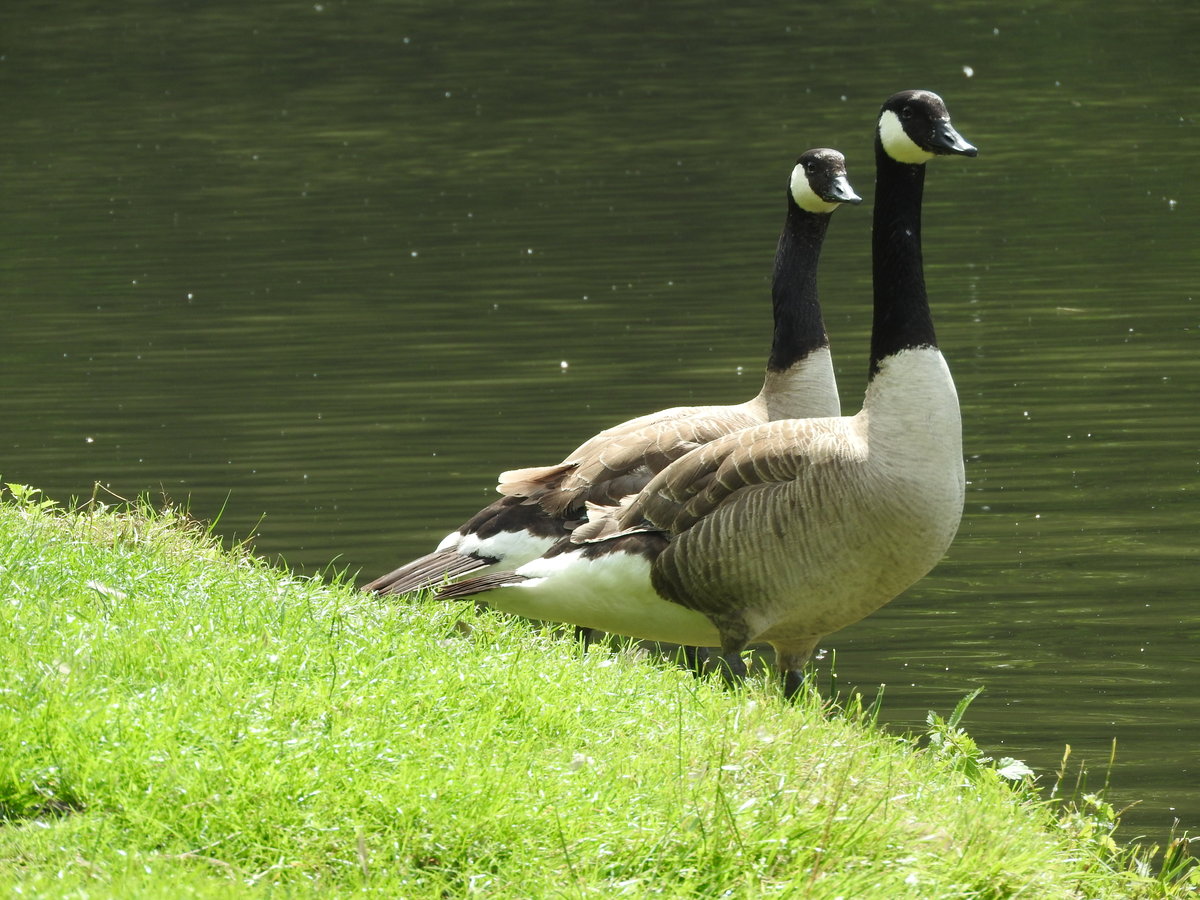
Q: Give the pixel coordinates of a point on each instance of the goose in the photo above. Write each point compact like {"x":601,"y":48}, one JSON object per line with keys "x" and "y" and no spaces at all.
{"x":786,"y":531}
{"x":541,"y":505}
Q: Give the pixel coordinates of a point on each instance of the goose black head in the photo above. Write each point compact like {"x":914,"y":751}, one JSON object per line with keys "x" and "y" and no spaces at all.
{"x":819,"y":183}
{"x":914,"y":127}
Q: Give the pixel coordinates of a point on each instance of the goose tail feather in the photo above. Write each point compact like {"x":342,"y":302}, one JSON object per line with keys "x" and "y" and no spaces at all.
{"x":428,"y":571}
{"x":532,"y":482}
{"x":462,"y":590}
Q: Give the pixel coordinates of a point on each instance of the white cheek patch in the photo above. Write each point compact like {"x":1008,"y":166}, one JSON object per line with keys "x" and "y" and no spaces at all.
{"x":804,"y":196}
{"x":896,"y":142}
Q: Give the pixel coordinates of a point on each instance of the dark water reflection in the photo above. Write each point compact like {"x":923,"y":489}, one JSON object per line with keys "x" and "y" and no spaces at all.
{"x":319,"y":266}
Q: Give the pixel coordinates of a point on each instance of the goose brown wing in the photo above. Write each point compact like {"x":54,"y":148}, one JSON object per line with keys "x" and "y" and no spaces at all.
{"x":621,"y":461}
{"x":710,"y":476}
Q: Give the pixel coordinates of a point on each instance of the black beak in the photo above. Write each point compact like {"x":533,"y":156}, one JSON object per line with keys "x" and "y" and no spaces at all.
{"x":841,"y":192}
{"x":948,"y":142}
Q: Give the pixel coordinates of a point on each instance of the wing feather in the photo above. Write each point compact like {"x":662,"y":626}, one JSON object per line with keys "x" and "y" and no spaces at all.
{"x":711,"y":476}
{"x":622,"y":460}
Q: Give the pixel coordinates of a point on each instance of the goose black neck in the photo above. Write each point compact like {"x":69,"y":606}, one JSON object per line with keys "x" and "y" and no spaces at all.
{"x":799,"y":328}
{"x":902,"y":319}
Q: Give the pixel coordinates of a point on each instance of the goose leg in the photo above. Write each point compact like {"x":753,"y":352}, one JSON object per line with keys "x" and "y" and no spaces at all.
{"x":791,"y":662}
{"x":695,"y":659}
{"x":793,"y":683}
{"x":733,"y":668}
{"x":733,"y":642}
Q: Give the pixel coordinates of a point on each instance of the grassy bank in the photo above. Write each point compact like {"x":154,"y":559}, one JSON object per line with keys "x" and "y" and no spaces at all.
{"x":177,"y":720}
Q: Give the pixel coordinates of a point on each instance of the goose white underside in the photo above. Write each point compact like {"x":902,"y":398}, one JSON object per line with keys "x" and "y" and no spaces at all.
{"x":509,"y":548}
{"x":611,"y":593}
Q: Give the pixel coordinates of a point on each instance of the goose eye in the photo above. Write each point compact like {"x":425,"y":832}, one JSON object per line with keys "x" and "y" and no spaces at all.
{"x":906,"y":112}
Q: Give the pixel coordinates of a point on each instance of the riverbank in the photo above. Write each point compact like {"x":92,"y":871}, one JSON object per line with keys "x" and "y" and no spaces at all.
{"x":180,"y":720}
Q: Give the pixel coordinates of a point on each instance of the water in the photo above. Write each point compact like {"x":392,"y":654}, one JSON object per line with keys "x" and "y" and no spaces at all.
{"x":316,"y":268}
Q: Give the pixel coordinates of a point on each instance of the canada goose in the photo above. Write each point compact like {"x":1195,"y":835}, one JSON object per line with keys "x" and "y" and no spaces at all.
{"x":541,"y":505}
{"x":784,"y":532}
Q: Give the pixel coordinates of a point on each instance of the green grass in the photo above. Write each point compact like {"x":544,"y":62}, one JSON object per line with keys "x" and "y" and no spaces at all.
{"x":179,"y":720}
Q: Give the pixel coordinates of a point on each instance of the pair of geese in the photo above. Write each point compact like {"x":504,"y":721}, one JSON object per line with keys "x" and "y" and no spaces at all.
{"x":774,"y":521}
